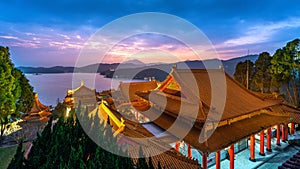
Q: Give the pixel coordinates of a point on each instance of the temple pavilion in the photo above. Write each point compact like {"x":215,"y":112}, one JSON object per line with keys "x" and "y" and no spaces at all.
{"x":212,"y":131}
{"x":38,"y":111}
{"x":83,"y":95}
{"x":244,"y":115}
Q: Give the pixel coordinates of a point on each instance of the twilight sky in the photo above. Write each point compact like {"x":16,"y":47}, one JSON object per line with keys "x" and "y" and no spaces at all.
{"x":48,"y":33}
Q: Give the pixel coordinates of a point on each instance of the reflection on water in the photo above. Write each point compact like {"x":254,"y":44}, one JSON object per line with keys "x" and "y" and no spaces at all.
{"x":50,"y":87}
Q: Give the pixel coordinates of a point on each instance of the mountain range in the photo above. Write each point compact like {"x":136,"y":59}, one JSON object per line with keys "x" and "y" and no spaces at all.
{"x":126,"y":69}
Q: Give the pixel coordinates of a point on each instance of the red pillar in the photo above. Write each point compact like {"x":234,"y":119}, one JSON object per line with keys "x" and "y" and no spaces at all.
{"x":231,"y":156}
{"x":218,"y":160}
{"x":252,"y":148}
{"x":189,"y":151}
{"x":278,"y":135}
{"x":292,"y":128}
{"x":136,"y":115}
{"x":269,"y":140}
{"x":286,"y":132}
{"x":204,"y":161}
{"x":262,"y":144}
{"x":177,"y":145}
{"x":283,"y":130}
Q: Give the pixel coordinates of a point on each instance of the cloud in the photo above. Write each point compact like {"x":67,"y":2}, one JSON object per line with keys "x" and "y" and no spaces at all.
{"x":65,"y":45}
{"x":263,"y":32}
{"x":9,"y":37}
{"x":65,"y":26}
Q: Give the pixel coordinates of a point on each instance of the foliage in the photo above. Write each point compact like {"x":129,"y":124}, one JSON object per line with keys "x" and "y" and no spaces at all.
{"x":6,"y":155}
{"x":285,"y":70}
{"x":25,"y":101}
{"x":66,"y":145}
{"x":240,"y":73}
{"x":18,"y":160}
{"x":261,"y":79}
{"x":59,"y":110}
{"x":279,"y":73}
{"x":16,"y":95}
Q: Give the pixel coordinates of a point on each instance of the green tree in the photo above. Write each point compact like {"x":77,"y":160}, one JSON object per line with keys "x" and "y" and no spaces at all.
{"x":25,"y":101}
{"x":15,"y":92}
{"x":285,"y":70}
{"x":18,"y":161}
{"x":150,"y":163}
{"x":158,"y":165}
{"x":261,"y":79}
{"x":142,"y":163}
{"x":240,"y":73}
{"x":9,"y":89}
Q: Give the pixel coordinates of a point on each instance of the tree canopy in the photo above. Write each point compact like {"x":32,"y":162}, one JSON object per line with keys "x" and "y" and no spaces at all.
{"x":278,"y":73}
{"x":66,"y":145}
{"x":16,"y":95}
{"x":261,"y":79}
{"x":285,"y":70}
{"x":240,"y":72}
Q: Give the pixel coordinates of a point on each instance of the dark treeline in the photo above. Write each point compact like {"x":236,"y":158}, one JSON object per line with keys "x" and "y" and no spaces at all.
{"x":278,"y":74}
{"x":66,"y":145}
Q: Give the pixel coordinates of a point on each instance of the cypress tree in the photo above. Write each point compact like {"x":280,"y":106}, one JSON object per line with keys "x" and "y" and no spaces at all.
{"x":18,"y":161}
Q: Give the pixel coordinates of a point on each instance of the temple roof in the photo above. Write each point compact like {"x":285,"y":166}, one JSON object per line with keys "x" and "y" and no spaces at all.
{"x":37,"y":105}
{"x":81,"y":90}
{"x":237,"y":99}
{"x":226,"y":135}
{"x":169,"y":159}
{"x":244,"y":113}
{"x":38,"y":111}
{"x":128,"y":90}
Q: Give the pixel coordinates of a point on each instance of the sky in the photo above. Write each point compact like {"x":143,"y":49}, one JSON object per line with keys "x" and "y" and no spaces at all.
{"x":49,"y":33}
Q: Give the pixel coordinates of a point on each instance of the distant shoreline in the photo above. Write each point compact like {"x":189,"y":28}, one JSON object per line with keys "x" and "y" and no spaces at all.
{"x":125,"y":70}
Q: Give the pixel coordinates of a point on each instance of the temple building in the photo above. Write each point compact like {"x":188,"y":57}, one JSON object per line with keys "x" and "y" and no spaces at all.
{"x":83,"y":95}
{"x":191,"y":115}
{"x":38,"y":112}
{"x":131,"y":134}
{"x":126,"y":100}
{"x":245,"y":114}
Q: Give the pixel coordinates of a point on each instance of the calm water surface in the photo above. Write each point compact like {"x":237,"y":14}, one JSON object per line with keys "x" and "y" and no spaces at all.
{"x":50,"y":87}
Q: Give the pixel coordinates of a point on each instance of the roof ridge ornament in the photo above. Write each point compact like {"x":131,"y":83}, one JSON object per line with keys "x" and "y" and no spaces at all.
{"x":174,"y":66}
{"x":82,"y":82}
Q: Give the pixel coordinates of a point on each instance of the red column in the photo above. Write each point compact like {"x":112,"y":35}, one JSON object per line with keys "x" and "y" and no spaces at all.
{"x":252,"y":148}
{"x":231,"y":156}
{"x":292,"y":128}
{"x":286,"y":132}
{"x":189,"y":151}
{"x":204,"y":161}
{"x":218,"y":160}
{"x":177,"y":145}
{"x":269,"y":140}
{"x":283,"y":130}
{"x":278,"y":135}
{"x":136,"y":115}
{"x":262,"y":143}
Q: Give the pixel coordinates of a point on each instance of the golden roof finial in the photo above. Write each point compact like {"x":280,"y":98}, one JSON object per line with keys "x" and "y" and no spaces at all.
{"x":82,"y":82}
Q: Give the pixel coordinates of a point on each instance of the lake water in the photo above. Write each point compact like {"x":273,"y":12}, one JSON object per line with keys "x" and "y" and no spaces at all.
{"x":50,"y":87}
